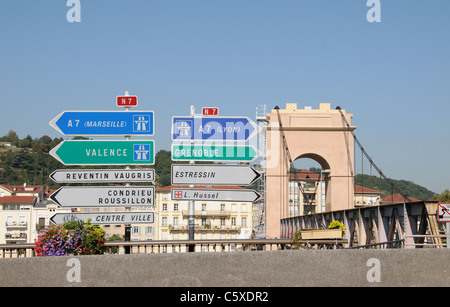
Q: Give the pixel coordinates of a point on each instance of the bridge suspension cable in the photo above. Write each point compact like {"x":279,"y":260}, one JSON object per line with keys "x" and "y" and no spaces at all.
{"x":370,"y":159}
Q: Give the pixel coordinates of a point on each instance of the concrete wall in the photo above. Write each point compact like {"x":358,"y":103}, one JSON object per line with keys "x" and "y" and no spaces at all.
{"x":425,"y":267}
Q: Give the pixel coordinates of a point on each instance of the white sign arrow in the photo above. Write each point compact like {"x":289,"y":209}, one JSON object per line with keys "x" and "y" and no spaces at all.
{"x":102,"y":175}
{"x":106,"y":217}
{"x":219,"y":195}
{"x":216,"y":174}
{"x":96,"y":196}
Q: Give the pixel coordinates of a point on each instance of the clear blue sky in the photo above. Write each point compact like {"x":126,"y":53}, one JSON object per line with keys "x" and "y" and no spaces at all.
{"x":394,"y":76}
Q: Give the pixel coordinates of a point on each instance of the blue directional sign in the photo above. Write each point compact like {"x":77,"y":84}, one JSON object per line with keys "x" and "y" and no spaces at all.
{"x":213,"y":128}
{"x":104,"y":123}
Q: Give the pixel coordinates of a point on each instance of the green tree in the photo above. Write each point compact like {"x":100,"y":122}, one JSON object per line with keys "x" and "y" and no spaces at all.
{"x":444,"y":197}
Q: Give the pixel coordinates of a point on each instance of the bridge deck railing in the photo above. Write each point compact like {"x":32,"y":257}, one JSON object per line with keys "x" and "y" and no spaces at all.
{"x":183,"y":246}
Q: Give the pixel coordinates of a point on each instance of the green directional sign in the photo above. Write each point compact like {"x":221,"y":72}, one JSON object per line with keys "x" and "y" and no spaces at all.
{"x":206,"y":152}
{"x":105,"y":152}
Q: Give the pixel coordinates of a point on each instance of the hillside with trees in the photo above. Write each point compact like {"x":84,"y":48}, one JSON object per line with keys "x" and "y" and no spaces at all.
{"x":408,"y":188}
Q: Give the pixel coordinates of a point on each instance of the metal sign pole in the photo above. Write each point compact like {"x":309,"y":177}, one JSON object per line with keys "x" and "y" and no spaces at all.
{"x":127,"y":235}
{"x":448,"y":235}
{"x":191,"y":218}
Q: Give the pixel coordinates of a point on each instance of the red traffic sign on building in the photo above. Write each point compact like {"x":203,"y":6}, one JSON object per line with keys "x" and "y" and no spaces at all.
{"x":127,"y":101}
{"x":210,"y":111}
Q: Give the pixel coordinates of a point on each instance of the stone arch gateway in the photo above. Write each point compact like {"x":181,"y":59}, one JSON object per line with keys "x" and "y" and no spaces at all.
{"x":319,"y":134}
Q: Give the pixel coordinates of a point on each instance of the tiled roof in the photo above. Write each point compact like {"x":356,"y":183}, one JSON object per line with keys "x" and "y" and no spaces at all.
{"x":396,"y":198}
{"x":21,"y":188}
{"x":360,"y":189}
{"x":17,"y":199}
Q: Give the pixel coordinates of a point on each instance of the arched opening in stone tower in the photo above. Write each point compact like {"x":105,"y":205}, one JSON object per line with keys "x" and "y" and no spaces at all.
{"x":308,"y":185}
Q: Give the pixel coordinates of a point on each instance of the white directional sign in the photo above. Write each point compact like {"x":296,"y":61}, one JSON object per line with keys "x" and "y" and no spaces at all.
{"x":106,"y":217}
{"x":444,"y":213}
{"x":103,"y":175}
{"x":219,"y":195}
{"x":217,"y":174}
{"x":96,"y":196}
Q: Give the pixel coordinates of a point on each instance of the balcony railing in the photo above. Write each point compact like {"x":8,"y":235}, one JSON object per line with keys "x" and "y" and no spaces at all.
{"x":15,"y":236}
{"x":207,"y":213}
{"x":185,"y":228}
{"x":16,"y":224}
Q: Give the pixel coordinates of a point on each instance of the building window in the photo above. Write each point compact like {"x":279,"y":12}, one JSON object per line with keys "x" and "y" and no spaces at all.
{"x":136,"y":230}
{"x":244,"y":222}
{"x":175,"y":207}
{"x":222,"y":207}
{"x":175,"y":222}
{"x":164,"y":207}
{"x":233,"y":221}
{"x":203,"y":207}
{"x":149,"y":230}
{"x":164,"y":221}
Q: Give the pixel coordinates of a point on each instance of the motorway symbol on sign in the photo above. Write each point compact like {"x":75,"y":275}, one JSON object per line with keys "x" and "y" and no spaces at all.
{"x":219,"y":195}
{"x":103,"y":175}
{"x":104,"y":152}
{"x":96,"y":196}
{"x":106,"y":217}
{"x":217,"y":174}
{"x":104,"y":123}
{"x":213,"y":128}
{"x":207,"y":152}
{"x":444,"y":213}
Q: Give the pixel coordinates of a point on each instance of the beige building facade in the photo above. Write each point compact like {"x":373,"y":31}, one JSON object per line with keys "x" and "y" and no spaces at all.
{"x":213,"y":219}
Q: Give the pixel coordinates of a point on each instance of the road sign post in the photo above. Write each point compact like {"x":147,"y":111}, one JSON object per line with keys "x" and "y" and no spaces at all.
{"x":127,"y":101}
{"x":213,"y":152}
{"x":104,"y":123}
{"x":213,"y":174}
{"x":220,"y":128}
{"x":104,"y":196}
{"x":106,"y":217}
{"x":103,"y":175}
{"x":243,"y":195}
{"x":219,"y":137}
{"x":104,"y":152}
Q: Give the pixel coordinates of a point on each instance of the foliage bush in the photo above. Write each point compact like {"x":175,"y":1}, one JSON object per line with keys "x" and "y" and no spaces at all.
{"x":72,"y":238}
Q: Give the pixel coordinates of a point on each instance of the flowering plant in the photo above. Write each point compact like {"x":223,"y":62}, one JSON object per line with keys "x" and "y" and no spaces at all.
{"x":94,"y":240}
{"x":72,"y":238}
{"x":296,"y":237}
{"x":58,"y":241}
